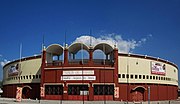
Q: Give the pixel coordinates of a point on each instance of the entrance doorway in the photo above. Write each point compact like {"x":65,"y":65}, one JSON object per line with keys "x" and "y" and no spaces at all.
{"x":78,"y":92}
{"x":103,"y":92}
{"x":26,"y":92}
{"x":137,"y":93}
{"x":54,"y":92}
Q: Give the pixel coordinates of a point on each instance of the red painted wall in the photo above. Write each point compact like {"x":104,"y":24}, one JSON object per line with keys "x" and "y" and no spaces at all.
{"x":10,"y":90}
{"x":157,"y":92}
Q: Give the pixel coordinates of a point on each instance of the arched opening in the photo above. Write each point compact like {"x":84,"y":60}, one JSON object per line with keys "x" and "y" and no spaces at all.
{"x":54,"y":54}
{"x":99,"y":57}
{"x":78,"y":53}
{"x":26,"y":92}
{"x":137,"y":93}
{"x":103,"y":53}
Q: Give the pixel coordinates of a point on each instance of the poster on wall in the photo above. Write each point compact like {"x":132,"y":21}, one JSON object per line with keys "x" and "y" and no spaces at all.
{"x":42,"y":92}
{"x":116,"y":92}
{"x":158,"y":68}
{"x":19,"y":94}
{"x":13,"y":70}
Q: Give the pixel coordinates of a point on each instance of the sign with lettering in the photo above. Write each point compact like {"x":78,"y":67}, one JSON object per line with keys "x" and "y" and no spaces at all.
{"x":13,"y":70}
{"x":78,"y":77}
{"x":158,"y":68}
{"x":79,"y":72}
{"x":116,"y":92}
{"x":19,"y":94}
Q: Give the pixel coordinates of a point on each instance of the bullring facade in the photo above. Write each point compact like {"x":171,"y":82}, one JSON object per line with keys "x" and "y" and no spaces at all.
{"x":116,"y":76}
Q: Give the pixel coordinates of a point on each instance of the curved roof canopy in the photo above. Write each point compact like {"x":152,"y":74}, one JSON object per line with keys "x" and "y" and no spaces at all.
{"x":75,"y":47}
{"x":55,"y":49}
{"x":106,"y":48}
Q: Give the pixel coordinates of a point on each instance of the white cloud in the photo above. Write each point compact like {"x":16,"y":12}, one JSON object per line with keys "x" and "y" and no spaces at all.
{"x":3,"y":62}
{"x":114,"y":39}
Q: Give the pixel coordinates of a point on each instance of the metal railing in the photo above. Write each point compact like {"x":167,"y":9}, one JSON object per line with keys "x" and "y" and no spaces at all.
{"x":96,"y":62}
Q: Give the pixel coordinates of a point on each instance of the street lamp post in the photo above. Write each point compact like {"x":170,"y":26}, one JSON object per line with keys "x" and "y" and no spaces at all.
{"x":149,"y":90}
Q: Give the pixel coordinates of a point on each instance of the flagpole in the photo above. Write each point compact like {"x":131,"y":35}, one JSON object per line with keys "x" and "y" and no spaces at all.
{"x":104,"y":72}
{"x":19,"y":88}
{"x":82,"y":69}
{"x":20,"y":61}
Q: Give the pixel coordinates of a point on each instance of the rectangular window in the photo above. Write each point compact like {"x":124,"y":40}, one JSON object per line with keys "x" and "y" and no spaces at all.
{"x":103,"y":89}
{"x":143,"y":76}
{"x":123,"y":75}
{"x":131,"y":76}
{"x":150,"y":77}
{"x":53,"y":89}
{"x":21,"y":77}
{"x":119,"y":75}
{"x":36,"y":76}
{"x":29,"y":76}
{"x":136,"y":76}
{"x":33,"y":76}
{"x":147,"y":77}
{"x":39,"y":76}
{"x":153,"y":77}
{"x":127,"y":75}
{"x":26,"y":77}
{"x":139,"y":76}
{"x":156,"y":77}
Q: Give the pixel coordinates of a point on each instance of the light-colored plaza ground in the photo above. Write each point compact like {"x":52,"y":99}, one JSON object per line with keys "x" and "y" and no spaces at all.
{"x":29,"y":101}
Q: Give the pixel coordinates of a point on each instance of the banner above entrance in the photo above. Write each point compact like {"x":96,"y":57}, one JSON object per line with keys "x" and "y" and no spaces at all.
{"x":78,"y":77}
{"x":79,"y":72}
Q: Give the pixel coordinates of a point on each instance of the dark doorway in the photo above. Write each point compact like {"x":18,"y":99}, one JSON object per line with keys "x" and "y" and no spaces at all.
{"x":137,"y":94}
{"x":103,"y":92}
{"x":78,"y":92}
{"x":26,"y":92}
{"x":78,"y":89}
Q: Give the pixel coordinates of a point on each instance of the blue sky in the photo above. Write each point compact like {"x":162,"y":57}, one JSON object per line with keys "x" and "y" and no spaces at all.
{"x":157,"y":22}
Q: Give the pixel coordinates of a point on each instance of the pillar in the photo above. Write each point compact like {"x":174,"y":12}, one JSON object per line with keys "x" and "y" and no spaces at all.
{"x":106,"y":56}
{"x":91,"y":92}
{"x":65,"y":91}
{"x":66,"y":55}
{"x":73,"y":56}
{"x":91,"y":55}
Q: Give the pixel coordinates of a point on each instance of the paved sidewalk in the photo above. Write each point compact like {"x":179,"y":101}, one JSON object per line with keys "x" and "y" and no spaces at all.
{"x":29,"y":101}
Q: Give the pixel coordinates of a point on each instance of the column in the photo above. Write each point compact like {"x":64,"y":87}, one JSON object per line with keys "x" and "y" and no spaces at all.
{"x":65,"y":91}
{"x":91,"y":92}
{"x":91,"y":56}
{"x":65,"y":56}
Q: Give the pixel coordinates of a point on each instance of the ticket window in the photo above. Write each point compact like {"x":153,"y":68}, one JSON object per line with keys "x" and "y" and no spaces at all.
{"x":78,"y":90}
{"x":103,"y":89}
